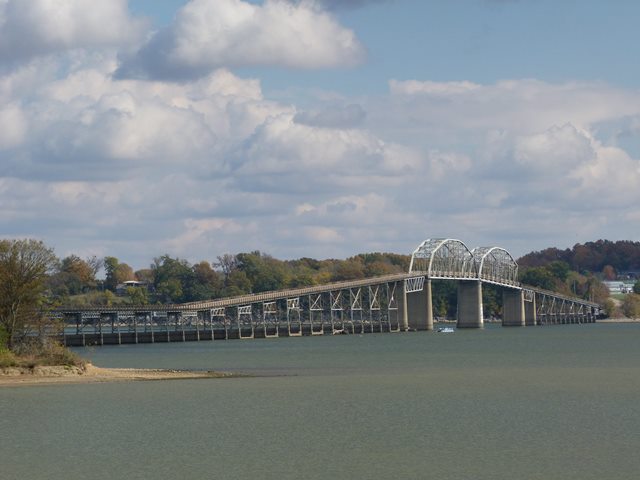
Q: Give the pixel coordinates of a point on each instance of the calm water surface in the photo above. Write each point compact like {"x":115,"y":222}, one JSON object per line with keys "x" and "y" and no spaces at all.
{"x":559,"y":402}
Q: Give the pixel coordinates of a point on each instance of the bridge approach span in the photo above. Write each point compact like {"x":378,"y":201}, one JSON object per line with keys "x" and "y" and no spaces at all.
{"x":389,"y":303}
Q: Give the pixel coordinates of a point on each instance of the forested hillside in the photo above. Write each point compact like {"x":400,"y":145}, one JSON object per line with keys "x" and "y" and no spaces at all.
{"x":603,"y":256}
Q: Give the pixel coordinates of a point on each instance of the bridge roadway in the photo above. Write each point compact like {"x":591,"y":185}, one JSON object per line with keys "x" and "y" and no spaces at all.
{"x":390,"y":303}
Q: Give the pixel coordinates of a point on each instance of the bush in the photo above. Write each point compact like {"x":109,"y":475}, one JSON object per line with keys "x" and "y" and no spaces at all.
{"x":35,"y":353}
{"x":7,"y":359}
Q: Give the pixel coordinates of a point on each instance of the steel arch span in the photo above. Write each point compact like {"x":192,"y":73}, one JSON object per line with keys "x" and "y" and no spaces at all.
{"x":444,"y":258}
{"x":496,"y":265}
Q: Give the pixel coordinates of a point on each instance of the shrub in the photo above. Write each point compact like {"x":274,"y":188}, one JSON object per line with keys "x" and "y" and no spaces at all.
{"x":7,"y":359}
{"x":50,"y":353}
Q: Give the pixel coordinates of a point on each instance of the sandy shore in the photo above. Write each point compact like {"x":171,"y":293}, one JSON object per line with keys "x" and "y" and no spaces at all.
{"x":12,"y":376}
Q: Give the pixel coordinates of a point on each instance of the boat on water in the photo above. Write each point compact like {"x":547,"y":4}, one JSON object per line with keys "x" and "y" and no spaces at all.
{"x":445,"y":330}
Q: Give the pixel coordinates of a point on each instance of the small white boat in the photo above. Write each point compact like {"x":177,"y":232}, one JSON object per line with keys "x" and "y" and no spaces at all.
{"x":445,"y":330}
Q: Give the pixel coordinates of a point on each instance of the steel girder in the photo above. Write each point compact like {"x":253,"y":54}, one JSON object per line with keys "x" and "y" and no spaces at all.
{"x":444,"y":258}
{"x":496,"y":265}
{"x":449,"y":258}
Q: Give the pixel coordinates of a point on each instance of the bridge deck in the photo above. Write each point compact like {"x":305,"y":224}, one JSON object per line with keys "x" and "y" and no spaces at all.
{"x":298,"y":292}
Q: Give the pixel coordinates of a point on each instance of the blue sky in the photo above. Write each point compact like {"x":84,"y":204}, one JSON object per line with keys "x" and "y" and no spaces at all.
{"x":317,"y":128}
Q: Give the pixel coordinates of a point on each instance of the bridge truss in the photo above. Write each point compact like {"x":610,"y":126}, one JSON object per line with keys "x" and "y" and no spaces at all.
{"x":378,"y":304}
{"x":363,"y":306}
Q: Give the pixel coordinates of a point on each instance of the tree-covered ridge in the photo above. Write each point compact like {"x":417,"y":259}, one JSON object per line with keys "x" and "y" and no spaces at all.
{"x":175,"y":280}
{"x":598,"y":257}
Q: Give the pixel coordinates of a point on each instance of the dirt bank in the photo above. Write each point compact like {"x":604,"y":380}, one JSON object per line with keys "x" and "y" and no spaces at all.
{"x":43,"y":375}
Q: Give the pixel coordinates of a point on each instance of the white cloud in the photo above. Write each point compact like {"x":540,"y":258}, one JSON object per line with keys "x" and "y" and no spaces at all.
{"x":13,"y":126}
{"x":36,"y":27}
{"x":413,"y":87}
{"x":516,"y":105}
{"x":208,"y":34}
{"x":136,"y":168}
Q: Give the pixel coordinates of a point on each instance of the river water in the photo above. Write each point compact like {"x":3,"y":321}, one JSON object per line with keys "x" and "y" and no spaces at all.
{"x":556,"y":402}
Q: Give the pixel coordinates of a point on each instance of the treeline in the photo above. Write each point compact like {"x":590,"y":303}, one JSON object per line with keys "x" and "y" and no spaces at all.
{"x":558,"y":276}
{"x":74,"y":281}
{"x":603,"y":257}
{"x":580,"y":271}
{"x":175,"y":280}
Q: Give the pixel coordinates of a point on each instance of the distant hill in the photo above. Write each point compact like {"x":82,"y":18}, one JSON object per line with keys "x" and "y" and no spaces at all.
{"x":597,"y":257}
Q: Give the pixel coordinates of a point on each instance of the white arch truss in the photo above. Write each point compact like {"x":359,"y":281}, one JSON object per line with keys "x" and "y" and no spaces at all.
{"x":495,"y":264}
{"x":444,"y":258}
{"x":451,"y":258}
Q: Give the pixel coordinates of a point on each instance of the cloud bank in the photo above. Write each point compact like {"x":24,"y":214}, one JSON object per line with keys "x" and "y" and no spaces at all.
{"x":209,"y":34}
{"x":96,"y":161}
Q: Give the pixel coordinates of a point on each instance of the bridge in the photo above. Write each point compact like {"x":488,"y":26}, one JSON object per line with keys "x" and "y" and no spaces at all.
{"x":390,"y":303}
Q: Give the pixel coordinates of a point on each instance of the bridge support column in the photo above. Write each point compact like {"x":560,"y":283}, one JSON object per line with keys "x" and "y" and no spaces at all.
{"x":470,"y":304}
{"x":513,"y":309}
{"x":530,"y":312}
{"x":419,"y":308}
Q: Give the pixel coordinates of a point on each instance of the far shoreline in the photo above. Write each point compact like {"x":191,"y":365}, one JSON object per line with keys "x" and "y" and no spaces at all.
{"x":618,"y":320}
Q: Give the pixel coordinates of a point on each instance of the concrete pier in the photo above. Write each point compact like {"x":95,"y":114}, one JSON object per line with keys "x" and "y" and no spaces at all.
{"x":420,"y":308}
{"x":530,"y":312}
{"x":513,"y":309}
{"x":470,"y":304}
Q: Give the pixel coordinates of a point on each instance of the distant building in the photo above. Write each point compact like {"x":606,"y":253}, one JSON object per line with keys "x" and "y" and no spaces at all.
{"x":619,"y":286}
{"x":121,"y":288}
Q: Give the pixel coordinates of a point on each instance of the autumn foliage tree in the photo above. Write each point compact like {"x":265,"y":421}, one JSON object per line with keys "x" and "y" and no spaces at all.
{"x":24,"y":268}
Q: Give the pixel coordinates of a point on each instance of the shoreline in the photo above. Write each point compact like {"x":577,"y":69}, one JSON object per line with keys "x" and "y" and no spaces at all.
{"x":65,"y":375}
{"x":619,"y":320}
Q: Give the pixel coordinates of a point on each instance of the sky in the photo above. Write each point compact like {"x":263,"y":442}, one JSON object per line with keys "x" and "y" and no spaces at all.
{"x":321,"y":128}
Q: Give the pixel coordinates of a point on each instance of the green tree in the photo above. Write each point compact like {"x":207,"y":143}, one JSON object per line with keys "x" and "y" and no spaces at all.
{"x":559,"y":269}
{"x":636,"y":287}
{"x":237,"y":283}
{"x":263,"y":271}
{"x":173,"y":278}
{"x":116,"y":273}
{"x":138,"y":295}
{"x":350,"y":269}
{"x":24,"y":268}
{"x":207,"y":283}
{"x":539,"y":277}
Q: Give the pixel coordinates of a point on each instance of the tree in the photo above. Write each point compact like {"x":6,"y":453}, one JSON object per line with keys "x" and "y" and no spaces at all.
{"x":350,"y":269}
{"x":538,"y":277}
{"x":116,"y":273}
{"x":631,"y":305}
{"x":207,"y":283}
{"x":24,"y":268}
{"x":636,"y":287}
{"x":609,"y":273}
{"x":173,"y":278}
{"x":138,"y":295}
{"x":263,"y":271}
{"x":79,"y":275}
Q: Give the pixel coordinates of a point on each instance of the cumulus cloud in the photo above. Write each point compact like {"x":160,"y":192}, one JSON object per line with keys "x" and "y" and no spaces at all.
{"x":13,"y":126}
{"x":135,"y":167}
{"x":517,"y":105}
{"x":207,"y":34}
{"x":349,"y":116}
{"x":37,"y":27}
{"x":341,"y":4}
{"x":303,"y":157}
{"x":88,"y":126}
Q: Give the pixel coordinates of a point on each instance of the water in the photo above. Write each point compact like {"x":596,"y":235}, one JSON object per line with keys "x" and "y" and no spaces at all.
{"x":559,"y":402}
